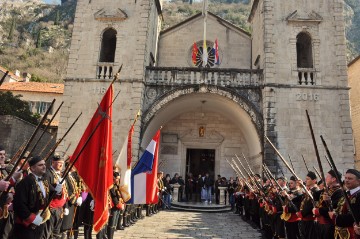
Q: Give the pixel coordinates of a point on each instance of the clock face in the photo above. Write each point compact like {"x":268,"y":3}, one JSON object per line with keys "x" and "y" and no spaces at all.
{"x":210,"y":59}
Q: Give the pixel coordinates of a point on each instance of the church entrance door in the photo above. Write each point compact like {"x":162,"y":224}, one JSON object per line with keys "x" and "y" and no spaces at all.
{"x":200,"y":161}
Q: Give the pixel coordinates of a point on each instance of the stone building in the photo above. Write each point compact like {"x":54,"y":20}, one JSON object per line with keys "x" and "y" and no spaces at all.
{"x":293,"y":61}
{"x":354,"y":83}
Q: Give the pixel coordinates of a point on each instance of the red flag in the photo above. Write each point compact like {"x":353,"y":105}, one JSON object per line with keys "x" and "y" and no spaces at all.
{"x":151,"y":178}
{"x":194,"y":53}
{"x":94,"y":165}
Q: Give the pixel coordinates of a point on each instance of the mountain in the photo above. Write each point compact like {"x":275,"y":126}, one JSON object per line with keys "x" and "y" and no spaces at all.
{"x":35,"y":36}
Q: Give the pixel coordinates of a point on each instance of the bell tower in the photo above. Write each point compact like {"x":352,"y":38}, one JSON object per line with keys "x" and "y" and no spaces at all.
{"x":106,"y":35}
{"x":300,"y":45}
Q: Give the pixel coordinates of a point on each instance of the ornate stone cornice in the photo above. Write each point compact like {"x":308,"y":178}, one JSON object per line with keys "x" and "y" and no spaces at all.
{"x":313,"y":17}
{"x":107,"y":15}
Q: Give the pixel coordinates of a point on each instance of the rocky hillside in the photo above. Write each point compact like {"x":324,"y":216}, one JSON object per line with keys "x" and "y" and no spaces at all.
{"x":35,"y":37}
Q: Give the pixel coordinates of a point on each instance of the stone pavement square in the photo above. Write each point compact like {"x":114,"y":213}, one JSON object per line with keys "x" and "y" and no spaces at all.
{"x":189,"y":225}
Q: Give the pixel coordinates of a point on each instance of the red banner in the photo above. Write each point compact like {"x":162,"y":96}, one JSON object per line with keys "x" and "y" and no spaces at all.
{"x":94,"y":165}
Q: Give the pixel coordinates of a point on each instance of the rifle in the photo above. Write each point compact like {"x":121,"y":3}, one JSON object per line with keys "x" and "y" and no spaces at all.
{"x":338,"y":178}
{"x":67,"y":148}
{"x":3,"y":78}
{"x":43,"y":149}
{"x":292,"y":171}
{"x":247,"y":184}
{"x":254,"y":181}
{"x":46,"y":158}
{"x":272,"y":178}
{"x":317,"y":173}
{"x":266,"y":169}
{"x":29,"y":141}
{"x":291,"y":162}
{"x":17,"y":154}
{"x":71,"y":165}
{"x":307,"y":168}
{"x":46,"y":128}
{"x":318,"y":157}
{"x":327,"y":159}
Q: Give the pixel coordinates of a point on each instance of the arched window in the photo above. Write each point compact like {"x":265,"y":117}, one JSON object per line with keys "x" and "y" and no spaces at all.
{"x":108,"y":46}
{"x":304,"y":51}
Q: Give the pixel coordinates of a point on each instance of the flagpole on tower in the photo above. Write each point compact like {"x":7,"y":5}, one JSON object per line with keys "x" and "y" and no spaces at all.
{"x":205,"y":53}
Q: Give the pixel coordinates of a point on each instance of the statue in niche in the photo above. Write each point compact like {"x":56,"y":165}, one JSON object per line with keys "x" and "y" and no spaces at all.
{"x":201,"y":131}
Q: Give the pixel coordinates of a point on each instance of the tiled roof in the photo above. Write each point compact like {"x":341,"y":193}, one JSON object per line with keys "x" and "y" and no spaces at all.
{"x":12,"y":75}
{"x":33,"y":87}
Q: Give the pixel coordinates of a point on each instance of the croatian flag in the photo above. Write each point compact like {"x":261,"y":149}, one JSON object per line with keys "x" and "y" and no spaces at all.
{"x":144,"y":175}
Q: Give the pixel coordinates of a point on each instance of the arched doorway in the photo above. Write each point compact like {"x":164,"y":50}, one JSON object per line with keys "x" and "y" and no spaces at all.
{"x":203,"y":123}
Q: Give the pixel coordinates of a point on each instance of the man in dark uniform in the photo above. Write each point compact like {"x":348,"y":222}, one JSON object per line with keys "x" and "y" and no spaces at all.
{"x":344,"y":222}
{"x":53,"y":176}
{"x":325,"y":225}
{"x":31,"y":197}
{"x":6,"y":212}
{"x":290,"y":209}
{"x":69,"y":226}
{"x":117,"y":204}
{"x":308,"y":228}
{"x":217,"y":191}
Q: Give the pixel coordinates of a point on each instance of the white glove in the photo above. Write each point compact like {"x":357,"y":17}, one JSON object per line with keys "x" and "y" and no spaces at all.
{"x":60,"y":179}
{"x":66,"y":211}
{"x":79,"y":201}
{"x":92,"y":205}
{"x":58,"y":188}
{"x":38,"y":220}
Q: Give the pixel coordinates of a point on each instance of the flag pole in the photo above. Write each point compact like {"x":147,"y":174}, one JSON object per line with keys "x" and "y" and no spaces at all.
{"x":205,"y":53}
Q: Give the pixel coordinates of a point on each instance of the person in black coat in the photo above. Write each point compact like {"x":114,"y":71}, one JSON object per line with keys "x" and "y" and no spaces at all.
{"x":31,"y":197}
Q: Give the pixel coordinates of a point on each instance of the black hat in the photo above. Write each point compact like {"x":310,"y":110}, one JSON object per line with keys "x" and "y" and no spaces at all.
{"x":2,"y":148}
{"x":57,"y":157}
{"x":311,"y":175}
{"x":281,"y":177}
{"x":219,"y":176}
{"x":34,"y":160}
{"x":116,"y":174}
{"x":332,"y":173}
{"x":257,"y":175}
{"x":292,"y":178}
{"x":320,"y":182}
{"x":354,"y":171}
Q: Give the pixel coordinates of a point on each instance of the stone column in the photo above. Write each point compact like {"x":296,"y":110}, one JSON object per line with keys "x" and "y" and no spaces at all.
{"x":222,"y":195}
{"x":175,"y":195}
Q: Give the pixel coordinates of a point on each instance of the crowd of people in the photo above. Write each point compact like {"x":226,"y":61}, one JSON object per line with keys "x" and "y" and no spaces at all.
{"x":297,"y":209}
{"x":37,"y":203}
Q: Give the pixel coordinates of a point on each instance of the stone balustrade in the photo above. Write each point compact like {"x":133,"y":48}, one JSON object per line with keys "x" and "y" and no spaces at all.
{"x":213,"y":76}
{"x":307,"y":76}
{"x":104,"y":70}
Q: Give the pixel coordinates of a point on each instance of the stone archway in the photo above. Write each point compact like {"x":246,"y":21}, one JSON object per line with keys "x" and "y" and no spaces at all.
{"x":179,"y":112}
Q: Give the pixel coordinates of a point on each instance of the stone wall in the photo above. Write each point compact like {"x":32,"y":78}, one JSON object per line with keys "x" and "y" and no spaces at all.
{"x":354,"y":74}
{"x":285,"y":100}
{"x":175,"y":45}
{"x":14,"y":132}
{"x":221,"y":134}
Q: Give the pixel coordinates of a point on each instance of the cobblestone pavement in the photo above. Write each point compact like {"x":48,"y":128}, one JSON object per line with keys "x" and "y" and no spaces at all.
{"x":177,"y":224}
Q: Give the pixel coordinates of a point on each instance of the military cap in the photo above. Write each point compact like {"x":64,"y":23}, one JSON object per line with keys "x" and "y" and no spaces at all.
{"x":34,"y":160}
{"x":354,"y":171}
{"x":332,"y":173}
{"x":311,"y":175}
{"x":257,"y":175}
{"x":292,"y":178}
{"x":57,"y":157}
{"x":282,"y":178}
{"x":116,"y":174}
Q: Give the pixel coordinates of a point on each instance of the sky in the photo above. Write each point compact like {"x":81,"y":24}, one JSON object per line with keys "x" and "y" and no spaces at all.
{"x":52,"y":1}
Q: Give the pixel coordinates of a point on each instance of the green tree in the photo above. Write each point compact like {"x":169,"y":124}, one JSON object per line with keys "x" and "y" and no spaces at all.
{"x":12,"y":29}
{"x":13,"y":105}
{"x":57,"y":18}
{"x":38,"y":40}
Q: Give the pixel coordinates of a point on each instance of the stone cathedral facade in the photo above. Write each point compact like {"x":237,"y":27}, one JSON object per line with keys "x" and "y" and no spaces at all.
{"x":293,"y":61}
